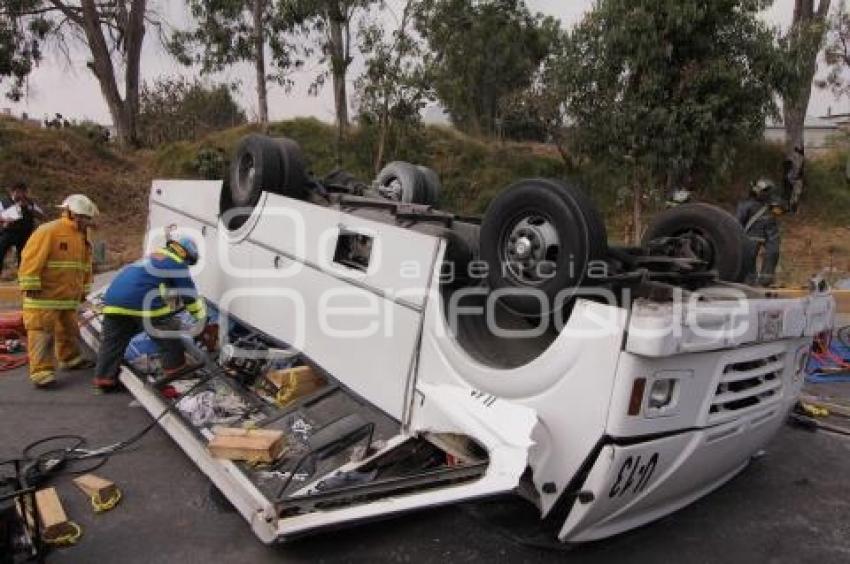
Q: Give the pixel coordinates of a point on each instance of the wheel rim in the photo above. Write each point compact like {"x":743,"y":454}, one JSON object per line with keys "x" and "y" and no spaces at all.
{"x":245,"y":178}
{"x":529,"y":248}
{"x":392,"y":189}
{"x":699,"y":244}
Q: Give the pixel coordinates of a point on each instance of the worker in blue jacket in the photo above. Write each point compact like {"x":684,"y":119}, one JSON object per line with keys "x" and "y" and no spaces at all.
{"x":138,"y":300}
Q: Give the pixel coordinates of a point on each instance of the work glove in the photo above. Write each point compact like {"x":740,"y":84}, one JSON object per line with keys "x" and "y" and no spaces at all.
{"x":198,"y":310}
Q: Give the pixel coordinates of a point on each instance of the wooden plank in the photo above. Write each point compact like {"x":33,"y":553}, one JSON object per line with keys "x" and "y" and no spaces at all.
{"x":294,"y":383}
{"x":288,"y":376}
{"x":54,"y":521}
{"x":270,"y":434}
{"x":255,"y":445}
{"x":92,"y":485}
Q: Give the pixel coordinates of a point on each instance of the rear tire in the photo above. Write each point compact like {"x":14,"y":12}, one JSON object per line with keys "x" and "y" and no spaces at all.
{"x":256,"y":167}
{"x":433,"y":186}
{"x":293,"y":169}
{"x":728,"y":244}
{"x":403,"y":182}
{"x":540,"y":235}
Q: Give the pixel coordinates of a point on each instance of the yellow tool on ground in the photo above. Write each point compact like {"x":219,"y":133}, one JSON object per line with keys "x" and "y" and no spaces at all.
{"x":814,"y":410}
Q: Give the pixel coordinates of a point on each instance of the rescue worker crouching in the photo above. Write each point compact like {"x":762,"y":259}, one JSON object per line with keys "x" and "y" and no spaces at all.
{"x":54,"y":276}
{"x":136,"y":301}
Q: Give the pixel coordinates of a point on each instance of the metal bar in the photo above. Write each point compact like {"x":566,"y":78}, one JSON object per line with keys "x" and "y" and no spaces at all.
{"x":398,"y":484}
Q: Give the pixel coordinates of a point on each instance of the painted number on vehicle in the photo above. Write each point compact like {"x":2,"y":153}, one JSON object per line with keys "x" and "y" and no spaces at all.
{"x":486,"y":399}
{"x":634,"y":475}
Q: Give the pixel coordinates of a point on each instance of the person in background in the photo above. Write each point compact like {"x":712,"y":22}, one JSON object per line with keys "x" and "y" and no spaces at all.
{"x":758,"y":215}
{"x":139,"y":293}
{"x":55,"y":275}
{"x":18,"y":217}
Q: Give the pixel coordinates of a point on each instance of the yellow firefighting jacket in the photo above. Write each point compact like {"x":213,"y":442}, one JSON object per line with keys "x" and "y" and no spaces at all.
{"x":56,"y":266}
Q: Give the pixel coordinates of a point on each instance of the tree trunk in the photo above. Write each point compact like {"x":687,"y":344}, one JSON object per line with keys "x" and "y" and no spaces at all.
{"x":339,"y":66}
{"x":384,"y":126}
{"x":806,"y":36}
{"x":794,"y":115}
{"x":124,"y":111}
{"x":637,"y":208}
{"x":134,"y":36}
{"x":260,"y":62}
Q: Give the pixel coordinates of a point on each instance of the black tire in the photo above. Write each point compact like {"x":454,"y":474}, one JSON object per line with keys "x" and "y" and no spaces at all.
{"x":293,"y":169}
{"x":559,"y":223}
{"x":597,"y":232}
{"x":728,"y":244}
{"x":433,"y":186}
{"x":411,"y":183}
{"x":255,"y":167}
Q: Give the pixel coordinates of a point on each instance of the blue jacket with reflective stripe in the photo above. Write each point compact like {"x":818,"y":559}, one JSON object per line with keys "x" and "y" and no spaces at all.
{"x":138,"y":287}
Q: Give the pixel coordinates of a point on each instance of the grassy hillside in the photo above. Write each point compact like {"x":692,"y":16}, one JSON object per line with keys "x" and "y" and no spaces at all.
{"x":472,"y":170}
{"x":56,"y":163}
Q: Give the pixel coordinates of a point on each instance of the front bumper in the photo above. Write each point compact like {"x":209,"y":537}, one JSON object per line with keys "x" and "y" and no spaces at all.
{"x":630,"y":485}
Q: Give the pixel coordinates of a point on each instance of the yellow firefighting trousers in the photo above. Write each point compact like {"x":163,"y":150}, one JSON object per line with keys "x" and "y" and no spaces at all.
{"x":48,"y":329}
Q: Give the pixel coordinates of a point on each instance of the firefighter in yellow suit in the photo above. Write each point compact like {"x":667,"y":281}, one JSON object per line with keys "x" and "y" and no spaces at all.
{"x":55,"y":275}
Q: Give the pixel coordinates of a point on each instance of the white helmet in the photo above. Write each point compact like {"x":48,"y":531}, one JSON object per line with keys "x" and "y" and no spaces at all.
{"x":80,"y":204}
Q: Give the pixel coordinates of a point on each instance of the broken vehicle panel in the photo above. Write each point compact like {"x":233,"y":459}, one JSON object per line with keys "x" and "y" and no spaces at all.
{"x":624,"y":414}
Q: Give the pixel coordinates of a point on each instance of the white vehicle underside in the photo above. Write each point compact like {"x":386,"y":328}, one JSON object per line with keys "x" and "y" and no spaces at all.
{"x":568,"y":419}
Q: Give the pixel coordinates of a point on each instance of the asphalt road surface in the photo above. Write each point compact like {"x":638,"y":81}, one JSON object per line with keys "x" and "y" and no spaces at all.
{"x":791,"y":505}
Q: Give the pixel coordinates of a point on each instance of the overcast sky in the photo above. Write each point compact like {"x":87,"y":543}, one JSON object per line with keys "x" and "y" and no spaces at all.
{"x":70,"y":89}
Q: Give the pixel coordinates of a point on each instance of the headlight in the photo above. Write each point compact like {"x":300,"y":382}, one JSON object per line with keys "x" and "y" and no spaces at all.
{"x":661,"y":393}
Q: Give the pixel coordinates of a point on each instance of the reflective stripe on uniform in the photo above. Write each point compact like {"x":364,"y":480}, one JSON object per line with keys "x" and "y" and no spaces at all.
{"x":197,"y":308}
{"x":42,"y":377}
{"x":173,"y":256}
{"x":73,"y":363}
{"x":118,"y":310}
{"x":38,"y":303}
{"x":69,"y":265}
{"x":29,"y":282}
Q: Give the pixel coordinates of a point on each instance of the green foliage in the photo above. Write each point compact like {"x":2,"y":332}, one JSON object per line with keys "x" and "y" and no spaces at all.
{"x":669,"y":87}
{"x":173,"y":109}
{"x":472,"y":171}
{"x":799,"y":48}
{"x":394,"y":87}
{"x":21,"y":41}
{"x":211,"y":163}
{"x":325,"y":26}
{"x":537,"y":112}
{"x":92,"y":131}
{"x":837,"y":52}
{"x":225,"y":34}
{"x":827,"y":197}
{"x":57,"y":162}
{"x":483,"y":52}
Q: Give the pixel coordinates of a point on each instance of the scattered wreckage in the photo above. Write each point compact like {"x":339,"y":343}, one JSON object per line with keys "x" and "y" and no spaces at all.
{"x":609,"y":386}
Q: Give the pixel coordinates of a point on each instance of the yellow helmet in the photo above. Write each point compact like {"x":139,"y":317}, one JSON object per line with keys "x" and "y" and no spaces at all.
{"x":80,"y":204}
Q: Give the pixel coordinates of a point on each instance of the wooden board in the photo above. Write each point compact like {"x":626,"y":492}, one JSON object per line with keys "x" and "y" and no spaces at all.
{"x":256,"y":445}
{"x":288,"y":376}
{"x":92,"y":485}
{"x":293,"y":383}
{"x":54,"y":521}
